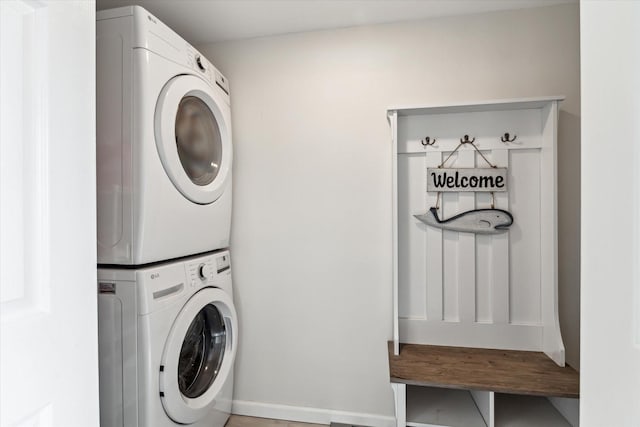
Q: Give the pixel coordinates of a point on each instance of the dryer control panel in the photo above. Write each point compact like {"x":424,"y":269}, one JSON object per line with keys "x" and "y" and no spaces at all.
{"x":206,"y":69}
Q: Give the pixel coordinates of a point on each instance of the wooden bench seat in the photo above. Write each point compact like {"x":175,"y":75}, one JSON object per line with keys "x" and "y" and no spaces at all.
{"x":502,"y":371}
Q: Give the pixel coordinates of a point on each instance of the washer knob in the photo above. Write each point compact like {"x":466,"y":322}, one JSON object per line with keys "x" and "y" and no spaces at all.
{"x":204,"y":271}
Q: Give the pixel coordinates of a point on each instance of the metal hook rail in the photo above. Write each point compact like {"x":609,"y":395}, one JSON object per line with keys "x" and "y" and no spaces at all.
{"x":427,"y":141}
{"x":506,"y":137}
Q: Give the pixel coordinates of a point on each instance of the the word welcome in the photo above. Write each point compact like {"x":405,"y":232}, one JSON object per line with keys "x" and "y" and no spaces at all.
{"x":467,"y":179}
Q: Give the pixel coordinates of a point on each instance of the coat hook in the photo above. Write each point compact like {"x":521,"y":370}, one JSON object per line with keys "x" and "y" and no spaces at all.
{"x":427,"y":141}
{"x":506,"y":137}
{"x":466,"y":140}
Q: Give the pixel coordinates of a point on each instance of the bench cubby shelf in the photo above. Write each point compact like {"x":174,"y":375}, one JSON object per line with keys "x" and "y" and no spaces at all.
{"x":441,"y":407}
{"x":464,"y":387}
{"x":470,"y":300}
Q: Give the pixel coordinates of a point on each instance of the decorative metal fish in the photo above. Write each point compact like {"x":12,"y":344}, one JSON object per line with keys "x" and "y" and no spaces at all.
{"x":479,"y":221}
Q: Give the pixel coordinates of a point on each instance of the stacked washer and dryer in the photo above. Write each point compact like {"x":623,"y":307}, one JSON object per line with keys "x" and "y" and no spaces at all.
{"x":167,"y":323}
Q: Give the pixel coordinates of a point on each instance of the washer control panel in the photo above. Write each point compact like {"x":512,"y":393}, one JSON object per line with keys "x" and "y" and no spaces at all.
{"x":203,"y":270}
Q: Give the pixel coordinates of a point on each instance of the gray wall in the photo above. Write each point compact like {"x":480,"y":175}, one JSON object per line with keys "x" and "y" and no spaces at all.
{"x":311,"y":233}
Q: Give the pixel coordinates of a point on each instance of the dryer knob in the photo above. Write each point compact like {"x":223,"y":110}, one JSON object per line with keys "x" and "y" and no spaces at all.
{"x":200,"y":64}
{"x":204,"y":271}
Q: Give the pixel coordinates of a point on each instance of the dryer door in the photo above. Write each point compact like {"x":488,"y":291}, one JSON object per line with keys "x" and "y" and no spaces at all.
{"x":198,"y":356}
{"x":193,"y":137}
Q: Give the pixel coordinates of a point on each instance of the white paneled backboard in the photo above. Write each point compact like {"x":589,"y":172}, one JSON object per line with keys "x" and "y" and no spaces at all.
{"x":464,"y":289}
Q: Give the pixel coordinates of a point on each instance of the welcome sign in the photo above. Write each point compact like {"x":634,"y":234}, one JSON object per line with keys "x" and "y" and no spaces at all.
{"x":467,"y":179}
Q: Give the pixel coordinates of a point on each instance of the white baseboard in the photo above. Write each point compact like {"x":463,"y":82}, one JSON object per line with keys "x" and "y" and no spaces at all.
{"x":309,"y":415}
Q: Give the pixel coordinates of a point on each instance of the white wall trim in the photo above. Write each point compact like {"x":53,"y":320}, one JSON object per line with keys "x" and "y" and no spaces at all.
{"x":309,"y":415}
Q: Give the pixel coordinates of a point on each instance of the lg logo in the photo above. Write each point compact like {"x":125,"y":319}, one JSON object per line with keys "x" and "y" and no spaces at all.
{"x":155,"y":275}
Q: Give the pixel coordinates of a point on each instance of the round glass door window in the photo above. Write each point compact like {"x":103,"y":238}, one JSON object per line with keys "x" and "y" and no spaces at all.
{"x":202,"y":352}
{"x":198,"y":140}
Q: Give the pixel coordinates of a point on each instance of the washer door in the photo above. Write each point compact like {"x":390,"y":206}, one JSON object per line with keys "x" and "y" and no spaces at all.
{"x":198,"y":356}
{"x":193,"y":137}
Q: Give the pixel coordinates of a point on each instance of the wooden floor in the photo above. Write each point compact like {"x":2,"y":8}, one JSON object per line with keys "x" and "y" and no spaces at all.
{"x":240,"y":421}
{"x":504,"y":371}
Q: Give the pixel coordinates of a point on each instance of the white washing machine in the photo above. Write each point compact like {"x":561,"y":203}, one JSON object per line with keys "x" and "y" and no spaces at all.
{"x":164,"y":148}
{"x":167,"y":343}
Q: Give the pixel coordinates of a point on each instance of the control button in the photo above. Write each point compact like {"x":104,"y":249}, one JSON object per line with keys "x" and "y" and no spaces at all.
{"x":199,"y":62}
{"x":223,"y":263}
{"x":204,"y":271}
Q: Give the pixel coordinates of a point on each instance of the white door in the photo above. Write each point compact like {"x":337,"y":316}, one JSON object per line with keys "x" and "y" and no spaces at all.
{"x":610,"y":318}
{"x":48,"y":317}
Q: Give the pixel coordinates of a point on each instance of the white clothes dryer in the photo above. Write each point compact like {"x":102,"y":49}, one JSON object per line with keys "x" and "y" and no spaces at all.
{"x":164,"y":150}
{"x":167,"y":343}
